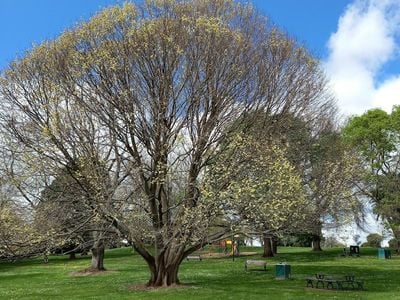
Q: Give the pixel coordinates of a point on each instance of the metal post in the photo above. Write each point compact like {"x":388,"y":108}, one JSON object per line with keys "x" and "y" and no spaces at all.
{"x":233,"y":247}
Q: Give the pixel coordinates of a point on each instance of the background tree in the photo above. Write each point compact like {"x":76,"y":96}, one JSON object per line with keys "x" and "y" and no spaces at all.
{"x":328,"y":169}
{"x":258,"y":186}
{"x":17,"y":236}
{"x":376,"y":137}
{"x":45,"y":131}
{"x":374,"y":240}
{"x":330,"y":180}
{"x":63,"y":209}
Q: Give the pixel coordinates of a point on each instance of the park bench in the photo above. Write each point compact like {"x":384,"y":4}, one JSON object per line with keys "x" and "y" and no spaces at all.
{"x":353,"y":251}
{"x":331,"y":281}
{"x":256,"y":263}
{"x":193,"y":257}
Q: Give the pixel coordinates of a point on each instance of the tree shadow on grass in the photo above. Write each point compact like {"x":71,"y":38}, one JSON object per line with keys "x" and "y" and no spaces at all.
{"x":55,"y":260}
{"x":325,"y":255}
{"x":240,"y":281}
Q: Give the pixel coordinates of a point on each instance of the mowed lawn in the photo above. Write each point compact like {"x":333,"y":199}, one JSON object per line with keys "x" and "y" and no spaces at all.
{"x":213,"y":278}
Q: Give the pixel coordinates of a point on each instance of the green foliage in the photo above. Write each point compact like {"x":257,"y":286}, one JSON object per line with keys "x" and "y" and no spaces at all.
{"x":394,"y":243}
{"x":18,"y":238}
{"x":255,"y":181}
{"x":376,"y":137}
{"x":373,"y":240}
{"x":370,"y":134}
{"x":332,"y":242}
{"x":64,"y":208}
{"x":296,"y":240}
{"x":303,"y":240}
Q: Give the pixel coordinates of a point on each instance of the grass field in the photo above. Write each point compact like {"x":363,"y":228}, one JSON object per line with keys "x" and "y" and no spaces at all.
{"x":213,"y":278}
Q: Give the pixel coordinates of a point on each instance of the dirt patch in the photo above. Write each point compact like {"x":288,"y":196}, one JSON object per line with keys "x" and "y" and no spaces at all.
{"x":247,"y":253}
{"x":91,"y":273}
{"x":143,"y":287}
{"x":216,"y":254}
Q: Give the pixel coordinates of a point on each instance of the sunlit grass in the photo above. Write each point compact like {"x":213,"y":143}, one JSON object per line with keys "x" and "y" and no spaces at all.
{"x":213,"y":278}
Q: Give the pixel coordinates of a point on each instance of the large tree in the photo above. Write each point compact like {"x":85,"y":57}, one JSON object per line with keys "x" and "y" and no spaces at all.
{"x":376,"y":136}
{"x":327,"y":167}
{"x":166,"y":85}
{"x":330,"y":180}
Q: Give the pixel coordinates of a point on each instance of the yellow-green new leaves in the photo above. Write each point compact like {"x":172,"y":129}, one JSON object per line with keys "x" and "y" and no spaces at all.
{"x":258,"y":184}
{"x":330,"y":182}
{"x":18,"y":237}
{"x":159,"y":91}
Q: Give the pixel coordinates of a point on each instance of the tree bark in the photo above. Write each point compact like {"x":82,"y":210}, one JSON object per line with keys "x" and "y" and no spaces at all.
{"x":164,"y":272}
{"x":268,"y":246}
{"x":316,"y":243}
{"x":164,"y":267}
{"x":316,"y":238}
{"x":275,"y":245}
{"x":396,"y":233}
{"x":97,"y":263}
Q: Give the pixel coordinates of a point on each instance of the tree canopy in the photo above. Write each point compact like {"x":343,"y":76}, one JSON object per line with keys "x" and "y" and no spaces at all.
{"x":143,"y":99}
{"x":376,"y":136}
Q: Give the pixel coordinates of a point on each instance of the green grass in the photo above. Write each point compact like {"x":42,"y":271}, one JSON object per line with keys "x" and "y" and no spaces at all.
{"x":214,"y":278}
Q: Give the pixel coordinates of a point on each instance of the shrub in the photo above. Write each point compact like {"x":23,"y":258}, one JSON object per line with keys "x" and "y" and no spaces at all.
{"x":374,"y":240}
{"x":331,"y":241}
{"x":393,"y":243}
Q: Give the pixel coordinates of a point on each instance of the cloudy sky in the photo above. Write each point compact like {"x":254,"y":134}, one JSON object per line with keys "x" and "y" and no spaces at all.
{"x":362,"y":54}
{"x":358,"y":41}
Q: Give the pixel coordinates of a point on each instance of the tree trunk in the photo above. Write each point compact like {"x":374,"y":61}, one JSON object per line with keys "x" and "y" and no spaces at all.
{"x":316,"y":238}
{"x":164,"y":274}
{"x":316,"y":243}
{"x":97,"y":263}
{"x":396,"y":233}
{"x":275,"y":245}
{"x":72,"y":255}
{"x":268,"y":246}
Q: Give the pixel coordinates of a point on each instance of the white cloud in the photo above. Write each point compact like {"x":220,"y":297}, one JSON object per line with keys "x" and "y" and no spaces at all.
{"x":388,"y":94}
{"x":366,"y":39}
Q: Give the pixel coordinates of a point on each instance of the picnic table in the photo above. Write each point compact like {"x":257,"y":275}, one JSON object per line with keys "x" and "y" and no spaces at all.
{"x":339,"y":282}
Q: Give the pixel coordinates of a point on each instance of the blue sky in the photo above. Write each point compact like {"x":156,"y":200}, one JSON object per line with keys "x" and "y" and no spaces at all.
{"x":310,"y":21}
{"x":24,"y":22}
{"x":357,"y":40}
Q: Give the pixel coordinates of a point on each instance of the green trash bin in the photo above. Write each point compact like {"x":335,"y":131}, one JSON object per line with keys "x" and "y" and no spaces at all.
{"x":283,"y":271}
{"x":384,"y":253}
{"x":381,"y":253}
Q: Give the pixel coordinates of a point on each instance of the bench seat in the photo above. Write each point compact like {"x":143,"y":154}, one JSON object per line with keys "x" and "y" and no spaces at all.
{"x":194,"y":257}
{"x":256,"y":263}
